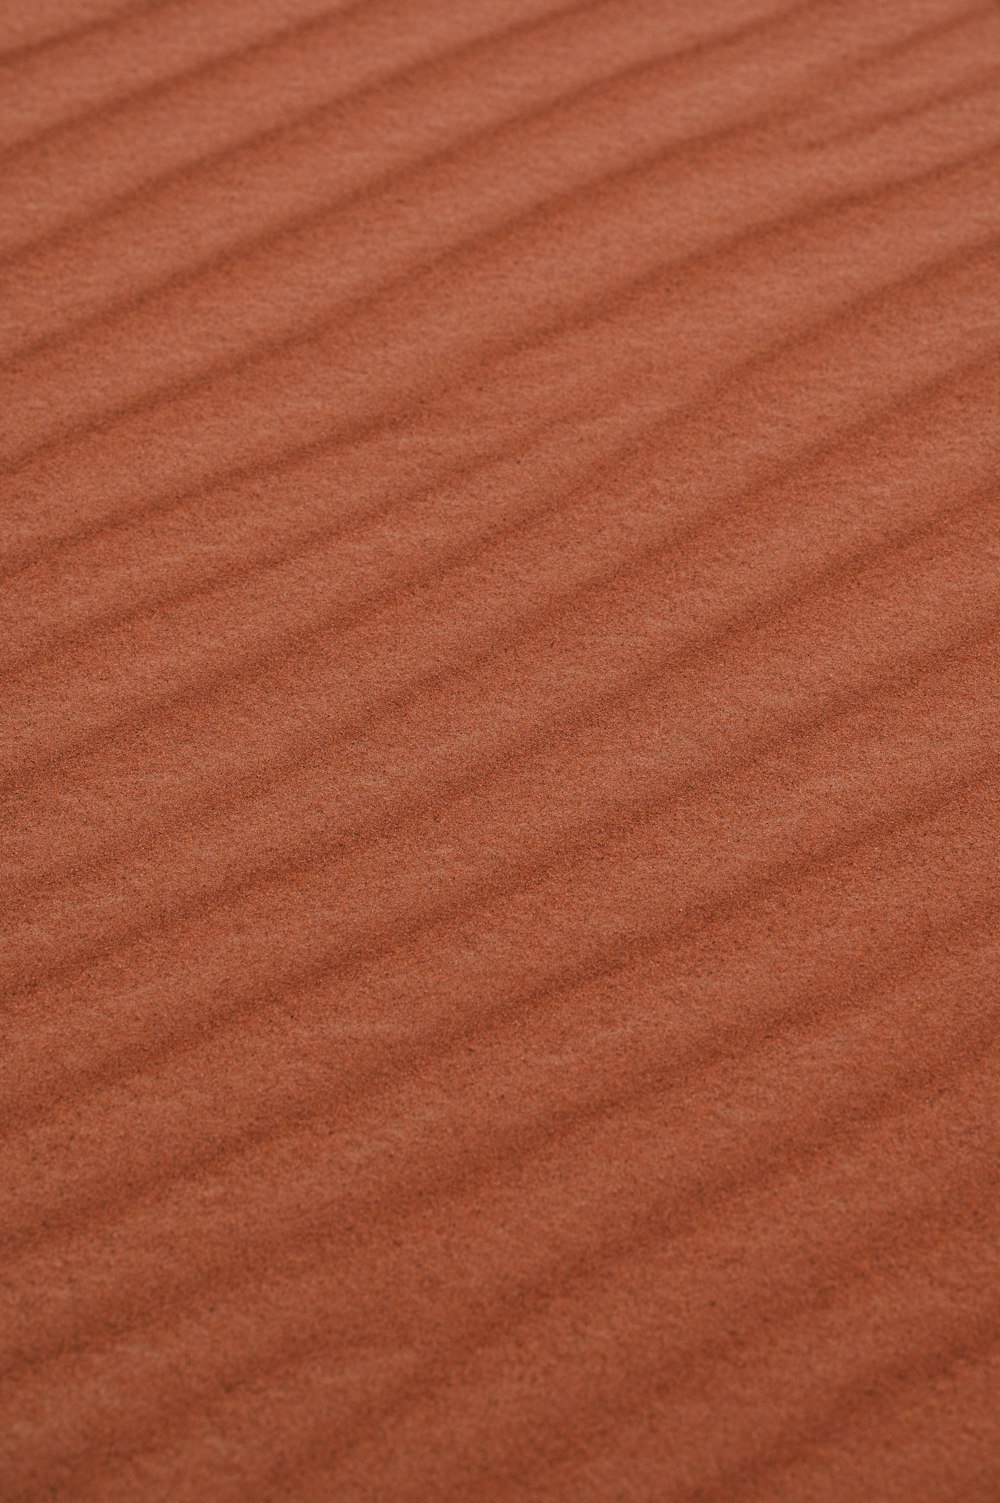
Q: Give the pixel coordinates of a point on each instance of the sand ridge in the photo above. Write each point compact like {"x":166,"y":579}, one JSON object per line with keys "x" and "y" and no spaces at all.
{"x":499,"y":569}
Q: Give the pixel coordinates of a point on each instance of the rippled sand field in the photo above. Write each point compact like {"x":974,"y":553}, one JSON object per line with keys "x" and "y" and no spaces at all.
{"x":499,"y":594}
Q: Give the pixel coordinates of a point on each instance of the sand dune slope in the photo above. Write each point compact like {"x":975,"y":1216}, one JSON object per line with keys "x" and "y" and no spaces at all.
{"x":499,"y":625}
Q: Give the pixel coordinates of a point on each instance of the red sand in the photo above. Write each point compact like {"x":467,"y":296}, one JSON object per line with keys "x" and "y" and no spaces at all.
{"x":499,"y":632}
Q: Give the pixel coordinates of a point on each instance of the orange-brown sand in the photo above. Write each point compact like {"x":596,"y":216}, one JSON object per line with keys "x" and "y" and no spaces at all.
{"x":500,"y":552}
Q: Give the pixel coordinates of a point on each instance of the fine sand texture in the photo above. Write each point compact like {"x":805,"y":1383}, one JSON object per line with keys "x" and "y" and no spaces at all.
{"x":499,"y":634}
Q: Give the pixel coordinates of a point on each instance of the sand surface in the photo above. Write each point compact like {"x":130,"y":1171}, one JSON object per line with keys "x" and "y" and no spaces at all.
{"x":499,"y":630}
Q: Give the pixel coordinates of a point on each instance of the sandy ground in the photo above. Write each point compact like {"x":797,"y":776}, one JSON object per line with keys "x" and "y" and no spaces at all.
{"x":500,"y":562}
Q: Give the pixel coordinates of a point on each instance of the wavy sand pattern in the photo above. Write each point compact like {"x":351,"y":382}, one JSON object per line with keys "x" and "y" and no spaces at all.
{"x":499,"y":623}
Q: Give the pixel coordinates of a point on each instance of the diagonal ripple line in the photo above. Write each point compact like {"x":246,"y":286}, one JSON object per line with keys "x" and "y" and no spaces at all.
{"x":701,"y":1056}
{"x":125,"y":104}
{"x":306,"y":976}
{"x":609,"y":307}
{"x":796,"y":1157}
{"x":647,"y":557}
{"x":387,"y":420}
{"x":427,"y":67}
{"x":503,"y":1002}
{"x":585,"y":1117}
{"x":121,"y":16}
{"x":787,"y":1019}
{"x":539,"y":619}
{"x":392,"y":183}
{"x":799,"y":338}
{"x":707,"y":141}
{"x":298,"y":862}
